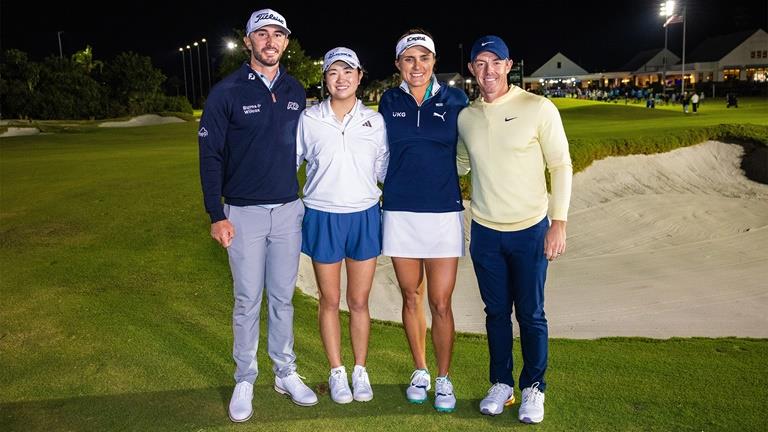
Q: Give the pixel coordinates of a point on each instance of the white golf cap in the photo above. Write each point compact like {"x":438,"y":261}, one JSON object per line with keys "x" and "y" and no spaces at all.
{"x":264,"y":17}
{"x":340,"y":54}
{"x":414,"y":40}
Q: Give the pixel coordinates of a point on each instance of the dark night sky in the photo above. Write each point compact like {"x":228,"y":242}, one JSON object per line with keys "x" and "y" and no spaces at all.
{"x":597,"y":35}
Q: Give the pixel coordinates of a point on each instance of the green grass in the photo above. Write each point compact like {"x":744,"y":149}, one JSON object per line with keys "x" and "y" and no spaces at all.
{"x":598,"y":120}
{"x":598,"y":129}
{"x":116,"y":309}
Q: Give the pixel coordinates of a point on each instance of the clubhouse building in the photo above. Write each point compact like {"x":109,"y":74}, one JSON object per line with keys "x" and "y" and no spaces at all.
{"x":741,"y":56}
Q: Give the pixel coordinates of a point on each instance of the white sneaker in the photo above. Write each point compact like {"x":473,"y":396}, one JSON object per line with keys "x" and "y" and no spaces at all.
{"x":337,"y":383}
{"x":499,"y":396}
{"x":293,"y":386}
{"x":420,"y":384}
{"x":240,"y":406}
{"x":532,"y":407}
{"x":445,"y":401}
{"x":361,"y":385}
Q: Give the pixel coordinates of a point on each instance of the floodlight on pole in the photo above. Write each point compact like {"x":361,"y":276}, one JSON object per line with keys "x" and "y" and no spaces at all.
{"x":319,"y":63}
{"x":207,"y":64}
{"x":199,"y":68}
{"x":666,"y":10}
{"x":61,"y":53}
{"x":184,"y":69}
{"x":192,"y":74}
{"x":682,"y":84}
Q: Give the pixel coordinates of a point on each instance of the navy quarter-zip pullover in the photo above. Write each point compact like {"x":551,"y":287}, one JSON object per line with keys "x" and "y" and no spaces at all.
{"x":422,"y":139}
{"x":247,"y":141}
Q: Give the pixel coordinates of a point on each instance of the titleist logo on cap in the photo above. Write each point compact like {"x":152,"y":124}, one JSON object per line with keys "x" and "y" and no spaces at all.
{"x":269,"y":16}
{"x":263,"y":18}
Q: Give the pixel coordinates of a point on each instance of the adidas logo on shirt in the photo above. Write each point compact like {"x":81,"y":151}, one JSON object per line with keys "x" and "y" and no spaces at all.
{"x":367,"y":124}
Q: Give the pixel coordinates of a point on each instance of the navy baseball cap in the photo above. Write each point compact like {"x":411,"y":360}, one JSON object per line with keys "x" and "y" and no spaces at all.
{"x":492,"y":44}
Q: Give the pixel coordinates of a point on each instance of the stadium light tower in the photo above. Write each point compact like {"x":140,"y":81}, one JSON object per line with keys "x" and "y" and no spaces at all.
{"x":192,"y":74}
{"x":666,"y":10}
{"x":199,"y":68}
{"x":58,"y":35}
{"x":207,"y":64}
{"x":184,"y":69}
{"x":675,"y":17}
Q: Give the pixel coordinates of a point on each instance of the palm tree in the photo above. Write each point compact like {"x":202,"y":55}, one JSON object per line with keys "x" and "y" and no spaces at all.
{"x":85,"y":59}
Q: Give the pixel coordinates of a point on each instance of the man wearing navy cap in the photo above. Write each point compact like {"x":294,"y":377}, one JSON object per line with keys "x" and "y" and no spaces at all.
{"x":247,"y":143}
{"x":508,"y":137}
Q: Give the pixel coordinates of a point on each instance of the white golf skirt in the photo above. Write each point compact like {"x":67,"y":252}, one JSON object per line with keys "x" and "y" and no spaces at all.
{"x":422,"y":235}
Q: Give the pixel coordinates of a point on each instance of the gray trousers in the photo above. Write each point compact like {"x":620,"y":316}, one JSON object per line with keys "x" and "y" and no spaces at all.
{"x":264,"y":253}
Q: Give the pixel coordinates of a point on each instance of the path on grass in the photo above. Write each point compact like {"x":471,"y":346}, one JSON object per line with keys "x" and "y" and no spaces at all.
{"x":673,"y":244}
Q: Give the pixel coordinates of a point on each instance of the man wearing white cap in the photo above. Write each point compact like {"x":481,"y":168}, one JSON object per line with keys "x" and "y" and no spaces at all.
{"x":508,"y":137}
{"x":247,"y":143}
{"x":345,"y":146}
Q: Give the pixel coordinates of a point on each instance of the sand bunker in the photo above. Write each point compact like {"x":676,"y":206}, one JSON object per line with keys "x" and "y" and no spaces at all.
{"x":673,"y":244}
{"x":20,"y":131}
{"x":142,"y":120}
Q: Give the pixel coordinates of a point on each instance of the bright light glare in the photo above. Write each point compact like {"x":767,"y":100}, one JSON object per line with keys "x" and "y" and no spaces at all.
{"x":231,"y":45}
{"x":667,"y":8}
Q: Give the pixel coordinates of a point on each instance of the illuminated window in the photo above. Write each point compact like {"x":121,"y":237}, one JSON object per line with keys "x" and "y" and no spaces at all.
{"x":757,"y":74}
{"x":731,"y":74}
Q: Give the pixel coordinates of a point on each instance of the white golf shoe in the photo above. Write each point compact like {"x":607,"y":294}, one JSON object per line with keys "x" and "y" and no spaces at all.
{"x":445,"y":401}
{"x":532,"y":407}
{"x":240,"y":406}
{"x":293,"y":386}
{"x":339,"y":387}
{"x":361,"y":385}
{"x":420,"y":384}
{"x":499,"y":396}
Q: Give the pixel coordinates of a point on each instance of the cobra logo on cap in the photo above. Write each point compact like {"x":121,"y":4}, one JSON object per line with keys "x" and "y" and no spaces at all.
{"x":418,"y":39}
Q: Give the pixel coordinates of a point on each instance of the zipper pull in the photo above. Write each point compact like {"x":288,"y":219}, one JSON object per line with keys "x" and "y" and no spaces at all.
{"x":274,"y":99}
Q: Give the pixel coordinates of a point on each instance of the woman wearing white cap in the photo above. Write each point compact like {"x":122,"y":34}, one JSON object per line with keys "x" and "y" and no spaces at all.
{"x":345,"y":146}
{"x":423,"y":228}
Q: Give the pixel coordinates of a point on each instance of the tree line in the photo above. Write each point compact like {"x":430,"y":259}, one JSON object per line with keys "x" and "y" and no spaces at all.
{"x":81,"y":87}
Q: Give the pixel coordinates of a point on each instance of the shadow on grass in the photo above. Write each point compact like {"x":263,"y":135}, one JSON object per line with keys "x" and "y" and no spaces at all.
{"x":207,"y":408}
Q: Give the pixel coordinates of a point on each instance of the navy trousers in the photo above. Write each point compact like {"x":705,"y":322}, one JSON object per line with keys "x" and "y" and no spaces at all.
{"x":511,"y":270}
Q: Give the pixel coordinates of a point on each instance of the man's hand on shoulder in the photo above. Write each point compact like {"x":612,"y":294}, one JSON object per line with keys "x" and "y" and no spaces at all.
{"x":223,"y":232}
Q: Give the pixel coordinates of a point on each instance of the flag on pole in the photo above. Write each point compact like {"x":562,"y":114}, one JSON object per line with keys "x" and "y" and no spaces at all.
{"x":673,"y":19}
